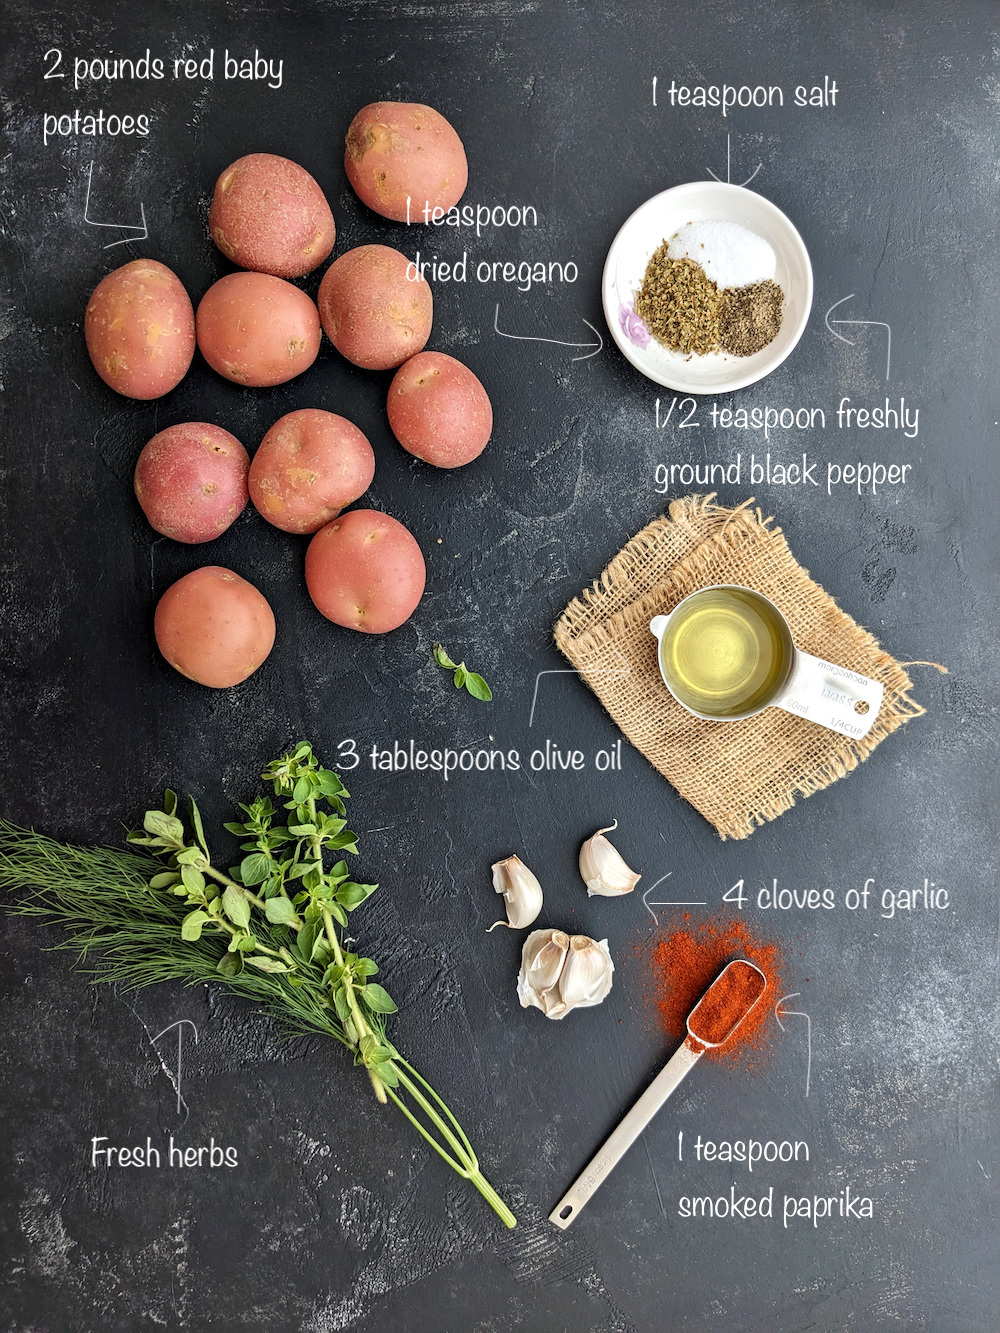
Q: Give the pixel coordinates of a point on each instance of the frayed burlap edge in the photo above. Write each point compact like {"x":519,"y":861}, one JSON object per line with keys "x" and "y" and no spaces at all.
{"x":765,"y":762}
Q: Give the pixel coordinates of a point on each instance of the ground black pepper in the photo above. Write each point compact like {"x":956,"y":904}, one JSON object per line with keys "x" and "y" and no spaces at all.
{"x":749,"y":317}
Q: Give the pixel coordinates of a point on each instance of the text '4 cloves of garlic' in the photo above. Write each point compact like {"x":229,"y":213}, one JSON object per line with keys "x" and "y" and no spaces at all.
{"x":603,"y":869}
{"x":560,"y":972}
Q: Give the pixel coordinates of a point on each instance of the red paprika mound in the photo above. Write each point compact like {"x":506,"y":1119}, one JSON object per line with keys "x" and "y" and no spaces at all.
{"x":685,"y":962}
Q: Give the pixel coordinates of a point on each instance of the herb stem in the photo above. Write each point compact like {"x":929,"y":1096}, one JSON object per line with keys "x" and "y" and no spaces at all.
{"x":360,"y":1021}
{"x":468,"y":1164}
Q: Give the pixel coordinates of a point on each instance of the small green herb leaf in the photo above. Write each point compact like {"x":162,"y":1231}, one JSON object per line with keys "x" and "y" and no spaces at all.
{"x":254,"y":869}
{"x":231,"y":964}
{"x":162,"y":825}
{"x":164,"y":881}
{"x":470,"y":680}
{"x":279,"y":910}
{"x":377,"y":998}
{"x":192,"y":924}
{"x":236,"y":907}
{"x":477,"y":687}
{"x":442,"y":658}
{"x":193,"y":880}
{"x":196,"y":824}
{"x":266,"y":964}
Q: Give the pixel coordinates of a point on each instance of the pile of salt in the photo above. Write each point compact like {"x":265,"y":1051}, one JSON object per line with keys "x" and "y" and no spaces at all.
{"x":731,"y":255}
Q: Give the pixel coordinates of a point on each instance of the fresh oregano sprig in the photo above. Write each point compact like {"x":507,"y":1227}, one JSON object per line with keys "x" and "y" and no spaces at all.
{"x":269,"y":928}
{"x":472,"y":681}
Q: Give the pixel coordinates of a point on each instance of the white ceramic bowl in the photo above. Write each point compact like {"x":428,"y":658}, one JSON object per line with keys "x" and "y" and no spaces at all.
{"x":655,"y":222}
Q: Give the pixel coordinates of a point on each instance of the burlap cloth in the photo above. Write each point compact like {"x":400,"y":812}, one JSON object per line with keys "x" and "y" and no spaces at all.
{"x":738,"y":774}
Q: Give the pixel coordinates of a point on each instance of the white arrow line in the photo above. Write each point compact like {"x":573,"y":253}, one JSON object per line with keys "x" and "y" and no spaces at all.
{"x":877,"y":323}
{"x":119,"y":226}
{"x":649,"y":906}
{"x":530,"y":338}
{"x":619,"y":672}
{"x":728,"y":180}
{"x":179,"y":1025}
{"x":796,"y":1013}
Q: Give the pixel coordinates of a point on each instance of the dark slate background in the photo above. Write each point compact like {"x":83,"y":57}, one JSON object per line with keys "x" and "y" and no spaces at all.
{"x":337,"y":1217}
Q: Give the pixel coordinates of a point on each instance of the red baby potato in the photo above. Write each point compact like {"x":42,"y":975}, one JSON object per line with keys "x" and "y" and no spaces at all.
{"x":257,"y":330}
{"x":309,"y":466}
{"x":372,"y":311}
{"x":269,"y":215}
{"x":397,"y":150}
{"x":214,"y":627}
{"x":365,"y":571}
{"x":191,"y":481}
{"x":439,"y":411}
{"x":139,"y":328}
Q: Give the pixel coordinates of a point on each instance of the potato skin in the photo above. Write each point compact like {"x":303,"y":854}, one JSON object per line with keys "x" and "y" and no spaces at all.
{"x":191,"y":481}
{"x":257,"y":330}
{"x":214,"y":627}
{"x":139,"y":327}
{"x":439,"y":411}
{"x":365,"y":571}
{"x":395,"y":149}
{"x":372,"y":313}
{"x":269,"y":215}
{"x":309,"y":466}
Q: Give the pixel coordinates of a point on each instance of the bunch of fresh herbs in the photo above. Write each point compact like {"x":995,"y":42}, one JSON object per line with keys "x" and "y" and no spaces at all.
{"x":270,"y":928}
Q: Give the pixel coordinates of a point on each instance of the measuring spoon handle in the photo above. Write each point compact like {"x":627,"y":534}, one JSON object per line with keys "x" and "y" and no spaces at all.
{"x":622,"y":1138}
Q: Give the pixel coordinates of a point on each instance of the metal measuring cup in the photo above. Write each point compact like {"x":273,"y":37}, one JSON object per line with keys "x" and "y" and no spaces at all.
{"x":832,"y":696}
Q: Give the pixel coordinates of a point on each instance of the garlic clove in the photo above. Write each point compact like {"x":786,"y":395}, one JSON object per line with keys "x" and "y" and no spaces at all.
{"x":522,"y":893}
{"x":603,"y":869}
{"x":560,"y":972}
{"x":542,"y":958}
{"x":586,"y":976}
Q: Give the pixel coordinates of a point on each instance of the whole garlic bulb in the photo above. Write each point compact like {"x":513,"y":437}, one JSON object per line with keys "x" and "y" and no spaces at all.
{"x":522,"y":893}
{"x":603,"y":869}
{"x":560,"y":972}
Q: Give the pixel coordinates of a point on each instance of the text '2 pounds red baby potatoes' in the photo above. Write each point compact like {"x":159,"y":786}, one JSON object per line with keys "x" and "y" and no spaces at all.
{"x":365,"y":571}
{"x":269,"y":215}
{"x":214,"y":627}
{"x":191,"y":481}
{"x":403,"y":151}
{"x":439,"y":411}
{"x":140,"y":329}
{"x":310,"y":465}
{"x":371,"y":312}
{"x":257,"y":330}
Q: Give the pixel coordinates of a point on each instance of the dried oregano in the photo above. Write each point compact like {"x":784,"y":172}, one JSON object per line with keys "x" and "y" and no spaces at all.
{"x":679,"y":304}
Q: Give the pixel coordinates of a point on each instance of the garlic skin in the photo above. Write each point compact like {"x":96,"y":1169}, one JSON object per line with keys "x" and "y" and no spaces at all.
{"x":560,"y":972}
{"x":603,"y":869}
{"x":522,"y":893}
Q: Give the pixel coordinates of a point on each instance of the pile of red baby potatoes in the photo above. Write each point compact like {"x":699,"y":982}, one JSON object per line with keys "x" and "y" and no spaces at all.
{"x":364,"y":570}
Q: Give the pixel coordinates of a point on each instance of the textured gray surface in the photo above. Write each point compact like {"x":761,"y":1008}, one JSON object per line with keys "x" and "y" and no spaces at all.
{"x":337,"y":1218}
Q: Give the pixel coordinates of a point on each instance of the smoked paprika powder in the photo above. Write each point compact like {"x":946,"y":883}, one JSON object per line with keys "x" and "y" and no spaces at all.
{"x":684,"y":963}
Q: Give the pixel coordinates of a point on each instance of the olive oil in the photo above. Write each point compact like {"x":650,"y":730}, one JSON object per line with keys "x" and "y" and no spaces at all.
{"x":725,"y":652}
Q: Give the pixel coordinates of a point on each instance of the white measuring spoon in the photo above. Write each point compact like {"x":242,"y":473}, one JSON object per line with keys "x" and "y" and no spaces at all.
{"x":683,"y":1060}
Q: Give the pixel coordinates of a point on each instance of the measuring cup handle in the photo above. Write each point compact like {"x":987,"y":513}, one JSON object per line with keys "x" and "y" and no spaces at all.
{"x":833,"y":696}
